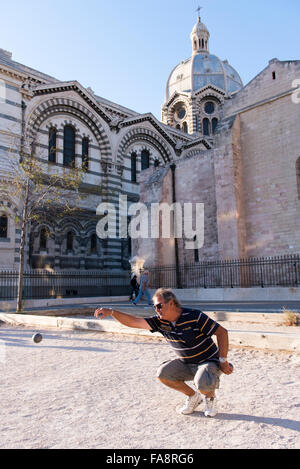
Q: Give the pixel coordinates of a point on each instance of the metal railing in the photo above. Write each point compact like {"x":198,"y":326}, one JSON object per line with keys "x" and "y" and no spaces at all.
{"x":43,"y":284}
{"x":240,"y":273}
{"x":283,"y":271}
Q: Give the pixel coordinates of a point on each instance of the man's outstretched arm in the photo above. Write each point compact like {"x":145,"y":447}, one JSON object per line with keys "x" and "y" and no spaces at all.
{"x":123,"y":318}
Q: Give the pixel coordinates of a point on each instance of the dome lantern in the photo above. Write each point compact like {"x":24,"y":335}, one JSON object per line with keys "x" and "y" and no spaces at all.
{"x":200,"y":36}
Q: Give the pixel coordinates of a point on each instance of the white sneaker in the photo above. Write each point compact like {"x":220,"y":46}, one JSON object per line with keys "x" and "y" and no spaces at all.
{"x":210,"y":407}
{"x":191,"y":404}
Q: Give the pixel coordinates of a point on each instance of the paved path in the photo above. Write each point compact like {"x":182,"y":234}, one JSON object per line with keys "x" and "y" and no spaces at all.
{"x":230,"y":306}
{"x":88,"y":390}
{"x":262,"y":331}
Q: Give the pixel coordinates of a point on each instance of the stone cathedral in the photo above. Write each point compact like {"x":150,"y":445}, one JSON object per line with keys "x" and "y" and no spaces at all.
{"x":234,"y":148}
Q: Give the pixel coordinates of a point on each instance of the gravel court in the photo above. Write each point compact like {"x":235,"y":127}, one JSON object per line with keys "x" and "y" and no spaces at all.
{"x":99,"y":390}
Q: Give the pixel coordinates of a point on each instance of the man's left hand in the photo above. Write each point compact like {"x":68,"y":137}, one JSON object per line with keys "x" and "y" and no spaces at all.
{"x":226,"y":368}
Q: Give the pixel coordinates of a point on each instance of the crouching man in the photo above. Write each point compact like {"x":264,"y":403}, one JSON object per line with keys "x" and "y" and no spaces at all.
{"x":189,"y":332}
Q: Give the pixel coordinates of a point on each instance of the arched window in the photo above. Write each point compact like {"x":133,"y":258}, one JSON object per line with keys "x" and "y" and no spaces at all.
{"x":70,"y":239}
{"x":69,"y":146}
{"x":185,"y":127}
{"x":43,"y":239}
{"x":3,"y":226}
{"x":94,"y":243}
{"x":133,"y":167}
{"x":206,"y":127}
{"x":52,"y":145}
{"x":85,"y":153}
{"x":214,"y":124}
{"x":298,"y":176}
{"x":181,"y":112}
{"x":145,"y":159}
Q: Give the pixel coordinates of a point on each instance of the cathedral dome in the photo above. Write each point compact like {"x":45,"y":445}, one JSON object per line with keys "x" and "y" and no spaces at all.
{"x":202,"y":68}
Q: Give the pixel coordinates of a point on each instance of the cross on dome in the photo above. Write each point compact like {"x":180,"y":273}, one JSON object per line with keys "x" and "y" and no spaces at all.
{"x":198,"y":10}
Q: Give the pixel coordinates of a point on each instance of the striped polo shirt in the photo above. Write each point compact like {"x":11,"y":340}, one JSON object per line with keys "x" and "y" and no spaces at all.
{"x":190,"y":336}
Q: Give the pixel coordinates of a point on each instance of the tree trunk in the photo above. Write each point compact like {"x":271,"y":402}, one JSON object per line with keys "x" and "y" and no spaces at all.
{"x":22,"y":251}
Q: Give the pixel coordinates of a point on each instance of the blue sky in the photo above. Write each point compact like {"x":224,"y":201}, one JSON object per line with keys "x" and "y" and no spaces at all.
{"x":125,"y":50}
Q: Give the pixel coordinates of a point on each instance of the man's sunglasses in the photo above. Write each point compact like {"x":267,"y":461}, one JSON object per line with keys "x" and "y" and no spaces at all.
{"x":158,"y":306}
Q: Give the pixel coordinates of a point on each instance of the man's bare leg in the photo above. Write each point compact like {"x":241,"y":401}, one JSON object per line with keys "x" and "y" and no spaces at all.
{"x":193,"y":397}
{"x":180,"y":386}
{"x":210,"y":394}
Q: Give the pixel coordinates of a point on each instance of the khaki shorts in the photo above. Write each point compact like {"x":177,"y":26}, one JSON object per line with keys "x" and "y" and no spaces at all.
{"x":206,"y":376}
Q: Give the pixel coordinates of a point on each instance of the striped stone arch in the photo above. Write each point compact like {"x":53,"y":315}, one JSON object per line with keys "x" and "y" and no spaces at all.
{"x":209,"y":94}
{"x":56,"y":106}
{"x":37,"y":226}
{"x":67,"y":223}
{"x":174,"y":103}
{"x":89,"y":226}
{"x":143,"y":135}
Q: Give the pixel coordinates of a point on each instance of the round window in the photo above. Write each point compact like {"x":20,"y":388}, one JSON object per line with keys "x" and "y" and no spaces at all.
{"x":181,"y":113}
{"x":209,"y":107}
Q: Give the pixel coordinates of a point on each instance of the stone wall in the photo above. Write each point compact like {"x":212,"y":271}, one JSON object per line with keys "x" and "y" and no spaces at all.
{"x":194,"y":183}
{"x":263,"y":160}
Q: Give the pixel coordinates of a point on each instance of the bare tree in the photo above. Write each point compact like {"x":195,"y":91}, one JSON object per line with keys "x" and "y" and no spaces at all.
{"x":41,"y":188}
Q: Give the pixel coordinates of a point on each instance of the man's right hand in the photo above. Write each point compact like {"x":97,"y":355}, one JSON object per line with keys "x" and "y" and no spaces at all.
{"x":103,"y":312}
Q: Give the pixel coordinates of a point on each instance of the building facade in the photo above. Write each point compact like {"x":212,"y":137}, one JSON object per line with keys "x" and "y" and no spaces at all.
{"x":70,"y":125}
{"x":233,"y":148}
{"x":248,"y":180}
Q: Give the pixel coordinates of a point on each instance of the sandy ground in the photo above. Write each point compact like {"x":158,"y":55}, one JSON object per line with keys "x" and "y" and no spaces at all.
{"x":98,"y":390}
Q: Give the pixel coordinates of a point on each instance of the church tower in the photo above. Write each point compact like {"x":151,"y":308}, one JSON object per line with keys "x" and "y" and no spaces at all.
{"x":200,"y":37}
{"x":198,"y":87}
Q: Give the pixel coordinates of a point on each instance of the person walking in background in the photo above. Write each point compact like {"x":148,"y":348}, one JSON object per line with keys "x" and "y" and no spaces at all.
{"x":144,"y":289}
{"x":134,"y":287}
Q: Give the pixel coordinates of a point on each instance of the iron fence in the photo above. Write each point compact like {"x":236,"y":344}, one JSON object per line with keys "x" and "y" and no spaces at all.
{"x":43,"y":284}
{"x":244,"y":273}
{"x":261,"y":272}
